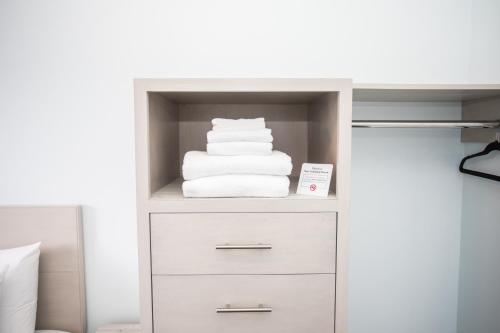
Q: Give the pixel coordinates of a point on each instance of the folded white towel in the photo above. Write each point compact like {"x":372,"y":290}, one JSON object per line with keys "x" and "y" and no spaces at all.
{"x":231,"y":186}
{"x":221,"y":124}
{"x":240,"y":148}
{"x":261,"y":135}
{"x":199,"y":164}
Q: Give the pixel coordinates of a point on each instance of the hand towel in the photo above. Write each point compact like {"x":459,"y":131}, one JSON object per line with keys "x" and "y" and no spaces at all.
{"x":199,"y":164}
{"x":240,"y":148}
{"x":233,"y":186}
{"x":221,"y":124}
{"x":261,"y":135}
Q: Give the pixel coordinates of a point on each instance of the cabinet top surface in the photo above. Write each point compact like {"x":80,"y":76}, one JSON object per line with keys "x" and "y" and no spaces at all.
{"x":241,"y":85}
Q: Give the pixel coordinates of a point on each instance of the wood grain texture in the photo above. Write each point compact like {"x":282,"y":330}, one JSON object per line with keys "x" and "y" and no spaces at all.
{"x":237,"y":97}
{"x":282,"y":119}
{"x":170,"y":199}
{"x":142,"y":141}
{"x":343,"y":188}
{"x":301,"y":243}
{"x":253,"y":92}
{"x":322,"y":132}
{"x":59,"y":299}
{"x":163,"y":141}
{"x":61,"y":289}
{"x":300,"y":303}
{"x":481,"y":109}
{"x":366,"y":92}
{"x":120,"y":328}
{"x":250,"y":85}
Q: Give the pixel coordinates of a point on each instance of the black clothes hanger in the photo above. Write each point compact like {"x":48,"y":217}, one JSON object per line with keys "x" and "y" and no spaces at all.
{"x":495,"y":145}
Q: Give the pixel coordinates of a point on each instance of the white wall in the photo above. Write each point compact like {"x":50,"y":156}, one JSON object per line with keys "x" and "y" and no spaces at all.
{"x":405,"y":225}
{"x":479,"y":294}
{"x":66,"y":100}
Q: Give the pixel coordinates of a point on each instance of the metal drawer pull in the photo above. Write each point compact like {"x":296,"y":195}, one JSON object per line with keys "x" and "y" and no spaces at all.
{"x":229,"y":309}
{"x":243,"y":247}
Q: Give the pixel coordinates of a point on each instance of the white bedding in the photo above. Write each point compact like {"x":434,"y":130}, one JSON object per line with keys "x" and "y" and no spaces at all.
{"x":236,"y":186}
{"x":239,"y":148}
{"x":222,"y":124}
{"x":262,"y":135}
{"x":18,"y":299}
{"x":198,"y":164}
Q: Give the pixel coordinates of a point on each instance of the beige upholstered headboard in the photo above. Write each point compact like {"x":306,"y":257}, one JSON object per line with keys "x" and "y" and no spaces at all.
{"x":61,"y":291}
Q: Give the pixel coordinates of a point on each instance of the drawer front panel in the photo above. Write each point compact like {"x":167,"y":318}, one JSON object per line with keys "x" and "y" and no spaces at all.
{"x":244,"y":303}
{"x":243,"y":243}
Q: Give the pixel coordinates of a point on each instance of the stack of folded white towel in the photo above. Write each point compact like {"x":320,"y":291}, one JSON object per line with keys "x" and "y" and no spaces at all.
{"x":239,"y":162}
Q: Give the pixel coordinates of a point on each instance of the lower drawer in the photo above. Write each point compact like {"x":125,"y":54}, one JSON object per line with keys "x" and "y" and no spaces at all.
{"x":244,"y":303}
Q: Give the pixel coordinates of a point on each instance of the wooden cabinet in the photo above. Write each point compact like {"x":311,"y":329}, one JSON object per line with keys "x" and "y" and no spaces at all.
{"x":120,"y":328}
{"x":244,"y":303}
{"x":243,"y":243}
{"x":254,"y":272}
{"x":281,"y":260}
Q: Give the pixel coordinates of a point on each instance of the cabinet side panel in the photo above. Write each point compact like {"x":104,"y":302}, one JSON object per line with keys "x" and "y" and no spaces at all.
{"x":322,"y":132}
{"x":480,"y":109}
{"x":344,"y":129}
{"x":163,"y":141}
{"x":143,"y":193}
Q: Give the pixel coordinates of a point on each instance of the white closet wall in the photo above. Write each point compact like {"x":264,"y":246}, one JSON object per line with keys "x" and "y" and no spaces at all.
{"x":405,"y":221}
{"x":479,"y":293}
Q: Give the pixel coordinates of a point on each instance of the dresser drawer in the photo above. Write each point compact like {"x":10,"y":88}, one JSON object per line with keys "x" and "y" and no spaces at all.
{"x":244,"y":303}
{"x":243,"y":243}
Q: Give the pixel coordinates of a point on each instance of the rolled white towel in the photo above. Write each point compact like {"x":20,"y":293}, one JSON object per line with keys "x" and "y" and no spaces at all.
{"x":260,"y":135}
{"x":240,"y":148}
{"x":222,"y":124}
{"x":234,"y":186}
{"x":199,"y":164}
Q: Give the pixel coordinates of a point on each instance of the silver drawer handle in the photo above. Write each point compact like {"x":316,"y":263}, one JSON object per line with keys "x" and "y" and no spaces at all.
{"x":243,"y":247}
{"x":229,"y":309}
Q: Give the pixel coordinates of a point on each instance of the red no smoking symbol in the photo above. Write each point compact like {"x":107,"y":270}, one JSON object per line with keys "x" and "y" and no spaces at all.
{"x":312,"y":187}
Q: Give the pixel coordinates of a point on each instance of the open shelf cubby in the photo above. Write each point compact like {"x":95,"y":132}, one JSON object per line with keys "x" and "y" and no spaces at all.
{"x":304,"y":125}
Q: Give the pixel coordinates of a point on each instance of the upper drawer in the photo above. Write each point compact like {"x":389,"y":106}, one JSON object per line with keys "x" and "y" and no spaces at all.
{"x":243,"y":243}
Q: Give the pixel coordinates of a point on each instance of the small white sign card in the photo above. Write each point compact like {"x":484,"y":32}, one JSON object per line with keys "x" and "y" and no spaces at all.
{"x":315,"y":179}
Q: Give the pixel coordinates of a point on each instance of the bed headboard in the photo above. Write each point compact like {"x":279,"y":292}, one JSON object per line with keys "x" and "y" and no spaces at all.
{"x":61,"y":288}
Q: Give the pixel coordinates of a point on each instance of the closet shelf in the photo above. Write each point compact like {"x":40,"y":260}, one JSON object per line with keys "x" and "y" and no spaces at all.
{"x":170,"y":199}
{"x":425,"y":124}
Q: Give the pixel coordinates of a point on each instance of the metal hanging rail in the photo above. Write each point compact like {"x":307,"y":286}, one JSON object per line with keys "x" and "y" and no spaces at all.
{"x":425,"y":124}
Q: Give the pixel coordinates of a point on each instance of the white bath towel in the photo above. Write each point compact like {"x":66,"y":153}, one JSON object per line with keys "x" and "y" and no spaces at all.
{"x":233,"y":186}
{"x":222,"y":124}
{"x":261,"y":135}
{"x":199,"y":164}
{"x":240,"y":148}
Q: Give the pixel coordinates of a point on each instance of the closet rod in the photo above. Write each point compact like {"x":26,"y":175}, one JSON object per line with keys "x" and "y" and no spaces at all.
{"x":425,"y":124}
